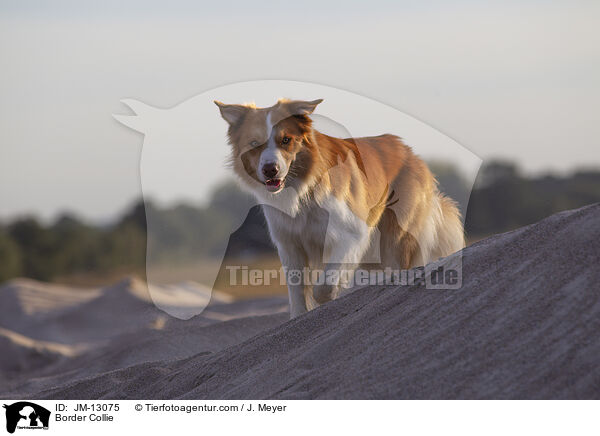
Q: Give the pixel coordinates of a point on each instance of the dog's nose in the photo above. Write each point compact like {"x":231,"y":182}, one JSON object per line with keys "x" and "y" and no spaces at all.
{"x":270,"y":170}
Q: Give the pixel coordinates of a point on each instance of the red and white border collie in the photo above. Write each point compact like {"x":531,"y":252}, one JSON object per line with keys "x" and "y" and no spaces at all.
{"x":330,"y":201}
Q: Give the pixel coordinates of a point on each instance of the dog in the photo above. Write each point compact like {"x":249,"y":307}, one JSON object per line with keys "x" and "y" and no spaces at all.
{"x":329,"y":201}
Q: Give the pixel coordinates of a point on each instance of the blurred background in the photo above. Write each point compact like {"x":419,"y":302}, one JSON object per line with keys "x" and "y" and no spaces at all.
{"x":74,"y":251}
{"x":514,"y":82}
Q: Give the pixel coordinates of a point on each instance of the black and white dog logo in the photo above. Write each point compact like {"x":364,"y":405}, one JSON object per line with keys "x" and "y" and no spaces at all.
{"x":26,"y":415}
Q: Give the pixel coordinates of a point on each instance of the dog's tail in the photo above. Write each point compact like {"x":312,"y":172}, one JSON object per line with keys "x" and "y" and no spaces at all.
{"x":450,"y":231}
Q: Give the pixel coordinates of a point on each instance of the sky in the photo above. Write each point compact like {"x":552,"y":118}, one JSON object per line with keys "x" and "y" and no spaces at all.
{"x":512,"y":80}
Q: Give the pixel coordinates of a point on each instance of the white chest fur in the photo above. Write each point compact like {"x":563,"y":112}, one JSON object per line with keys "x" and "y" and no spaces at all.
{"x":321,"y":233}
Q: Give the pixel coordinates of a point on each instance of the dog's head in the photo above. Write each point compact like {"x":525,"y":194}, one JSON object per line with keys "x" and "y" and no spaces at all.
{"x":271,"y":146}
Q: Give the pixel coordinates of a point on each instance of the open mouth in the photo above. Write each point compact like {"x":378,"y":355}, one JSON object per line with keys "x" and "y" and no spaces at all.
{"x":274,"y":185}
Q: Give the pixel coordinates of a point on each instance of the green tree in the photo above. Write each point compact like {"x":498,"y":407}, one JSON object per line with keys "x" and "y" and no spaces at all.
{"x":10,"y":257}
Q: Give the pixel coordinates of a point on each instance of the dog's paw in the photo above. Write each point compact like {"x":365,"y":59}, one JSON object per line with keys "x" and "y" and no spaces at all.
{"x":324,"y":293}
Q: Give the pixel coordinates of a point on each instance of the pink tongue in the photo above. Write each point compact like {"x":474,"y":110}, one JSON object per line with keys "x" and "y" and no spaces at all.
{"x":275,"y":183}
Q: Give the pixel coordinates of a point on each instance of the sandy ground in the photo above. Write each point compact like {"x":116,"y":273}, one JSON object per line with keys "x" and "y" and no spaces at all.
{"x":525,"y":324}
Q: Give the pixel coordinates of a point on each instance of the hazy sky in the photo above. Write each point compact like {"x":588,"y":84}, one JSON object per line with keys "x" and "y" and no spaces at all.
{"x":518,"y":80}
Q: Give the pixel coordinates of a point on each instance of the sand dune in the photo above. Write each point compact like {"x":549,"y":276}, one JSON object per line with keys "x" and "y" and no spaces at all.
{"x":524,"y":325}
{"x":21,"y":354}
{"x":51,"y":335}
{"x":29,"y":307}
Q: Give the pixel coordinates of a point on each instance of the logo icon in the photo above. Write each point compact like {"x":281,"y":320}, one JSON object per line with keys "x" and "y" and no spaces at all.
{"x":26,"y":415}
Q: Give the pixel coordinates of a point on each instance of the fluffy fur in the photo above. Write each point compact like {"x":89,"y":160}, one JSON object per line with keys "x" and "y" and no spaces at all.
{"x":334,"y":203}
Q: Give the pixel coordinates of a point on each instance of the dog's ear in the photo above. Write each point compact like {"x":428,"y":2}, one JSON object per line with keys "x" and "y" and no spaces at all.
{"x":232,"y":113}
{"x":301,"y":107}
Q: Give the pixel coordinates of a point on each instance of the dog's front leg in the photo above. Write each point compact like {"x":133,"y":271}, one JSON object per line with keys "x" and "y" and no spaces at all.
{"x":342,"y":257}
{"x":297,"y":300}
{"x":293,"y":265}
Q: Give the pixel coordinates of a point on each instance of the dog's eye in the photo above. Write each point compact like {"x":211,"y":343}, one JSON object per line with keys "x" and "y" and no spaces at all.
{"x":254,"y":143}
{"x":285,"y":140}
